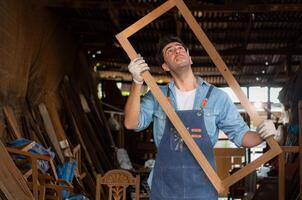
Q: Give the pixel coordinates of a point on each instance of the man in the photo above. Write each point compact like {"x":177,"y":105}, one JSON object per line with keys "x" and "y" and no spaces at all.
{"x":203,"y":108}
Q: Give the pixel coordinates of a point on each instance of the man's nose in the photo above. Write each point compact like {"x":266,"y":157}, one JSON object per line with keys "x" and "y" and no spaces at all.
{"x":177,"y":50}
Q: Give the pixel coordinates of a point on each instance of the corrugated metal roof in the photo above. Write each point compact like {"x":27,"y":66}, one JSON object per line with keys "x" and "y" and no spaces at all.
{"x":260,"y":40}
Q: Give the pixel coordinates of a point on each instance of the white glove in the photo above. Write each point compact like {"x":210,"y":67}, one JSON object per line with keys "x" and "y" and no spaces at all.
{"x":267,"y":129}
{"x":136,"y":68}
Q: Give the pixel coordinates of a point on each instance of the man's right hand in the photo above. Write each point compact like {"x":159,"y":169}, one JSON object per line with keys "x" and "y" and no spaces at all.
{"x":136,"y":68}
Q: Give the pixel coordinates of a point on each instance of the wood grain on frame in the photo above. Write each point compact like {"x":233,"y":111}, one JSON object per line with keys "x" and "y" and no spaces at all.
{"x":216,"y":58}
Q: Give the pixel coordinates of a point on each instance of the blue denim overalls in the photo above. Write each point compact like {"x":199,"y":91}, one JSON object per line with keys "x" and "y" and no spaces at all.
{"x":177,"y":175}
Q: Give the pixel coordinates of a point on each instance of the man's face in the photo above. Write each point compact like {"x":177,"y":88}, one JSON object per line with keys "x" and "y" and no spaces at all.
{"x":176,"y":57}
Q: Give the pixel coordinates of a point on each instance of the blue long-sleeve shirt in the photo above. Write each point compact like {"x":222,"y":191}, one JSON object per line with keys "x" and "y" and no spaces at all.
{"x":220,"y":113}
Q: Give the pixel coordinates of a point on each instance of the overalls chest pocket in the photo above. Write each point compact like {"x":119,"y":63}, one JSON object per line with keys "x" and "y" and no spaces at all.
{"x":210,"y":118}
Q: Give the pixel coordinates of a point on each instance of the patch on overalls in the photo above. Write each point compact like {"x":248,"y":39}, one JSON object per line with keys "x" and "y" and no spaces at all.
{"x":196,"y":130}
{"x":196,"y":136}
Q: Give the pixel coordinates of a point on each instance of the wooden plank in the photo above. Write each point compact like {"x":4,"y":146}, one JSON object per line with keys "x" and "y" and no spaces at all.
{"x":229,"y":152}
{"x":74,"y":122}
{"x":148,"y":18}
{"x":28,"y":154}
{"x":34,"y":125}
{"x":28,"y":146}
{"x":42,"y":192}
{"x":281,"y":177}
{"x":59,"y":131}
{"x":248,"y":169}
{"x":28,"y":173}
{"x":35,"y":175}
{"x":12,"y":122}
{"x":77,"y":155}
{"x":216,"y":58}
{"x":290,"y":149}
{"x":98,"y":187}
{"x":51,"y":131}
{"x":5,"y":192}
{"x":12,"y":183}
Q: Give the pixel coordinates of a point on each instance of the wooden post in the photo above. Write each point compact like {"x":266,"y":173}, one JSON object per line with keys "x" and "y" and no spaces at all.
{"x":281,"y":176}
{"x":98,"y":187}
{"x":291,"y":149}
{"x":35,"y":177}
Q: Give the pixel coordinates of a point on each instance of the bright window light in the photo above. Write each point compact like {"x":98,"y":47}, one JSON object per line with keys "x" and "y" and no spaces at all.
{"x":231,"y":94}
{"x":275,"y":94}
{"x":258,"y":94}
{"x":99,"y":88}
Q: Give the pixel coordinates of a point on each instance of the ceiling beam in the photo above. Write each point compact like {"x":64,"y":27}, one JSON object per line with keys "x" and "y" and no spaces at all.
{"x":198,"y":66}
{"x":216,"y":80}
{"x":227,"y":52}
{"x":208,"y":30}
{"x":96,"y":4}
{"x":202,"y":20}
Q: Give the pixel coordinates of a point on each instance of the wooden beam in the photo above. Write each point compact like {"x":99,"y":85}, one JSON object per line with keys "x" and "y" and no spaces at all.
{"x":290,"y":149}
{"x":12,"y":121}
{"x":227,"y":52}
{"x":198,"y":66}
{"x":209,"y":30}
{"x":51,"y":131}
{"x":57,"y":125}
{"x":96,"y":4}
{"x":213,"y":79}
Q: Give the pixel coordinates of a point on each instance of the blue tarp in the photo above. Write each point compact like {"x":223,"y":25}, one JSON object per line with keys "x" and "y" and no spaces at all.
{"x":36,"y":149}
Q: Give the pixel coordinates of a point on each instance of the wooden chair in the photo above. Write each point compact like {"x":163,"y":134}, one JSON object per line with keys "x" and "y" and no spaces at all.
{"x":117,"y":180}
{"x":40,"y":182}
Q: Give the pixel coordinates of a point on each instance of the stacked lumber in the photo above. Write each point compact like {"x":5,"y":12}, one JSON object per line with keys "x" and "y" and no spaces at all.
{"x":80,"y":131}
{"x":89,"y":128}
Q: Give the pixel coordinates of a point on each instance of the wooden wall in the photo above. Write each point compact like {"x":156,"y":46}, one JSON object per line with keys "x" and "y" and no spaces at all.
{"x":35,"y":54}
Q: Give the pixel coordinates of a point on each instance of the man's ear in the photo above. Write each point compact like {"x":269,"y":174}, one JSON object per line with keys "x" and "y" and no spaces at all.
{"x":165,"y":67}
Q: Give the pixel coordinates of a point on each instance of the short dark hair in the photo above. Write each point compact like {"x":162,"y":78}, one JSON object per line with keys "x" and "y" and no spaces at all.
{"x":162,"y":43}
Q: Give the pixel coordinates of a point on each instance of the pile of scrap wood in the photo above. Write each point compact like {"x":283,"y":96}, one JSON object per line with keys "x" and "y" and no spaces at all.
{"x":79,"y":132}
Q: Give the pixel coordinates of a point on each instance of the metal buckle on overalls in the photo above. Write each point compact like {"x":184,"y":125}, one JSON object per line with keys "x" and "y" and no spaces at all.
{"x":199,"y":113}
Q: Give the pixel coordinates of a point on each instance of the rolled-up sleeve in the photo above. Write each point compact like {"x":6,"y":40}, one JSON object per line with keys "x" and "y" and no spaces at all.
{"x":146,"y":111}
{"x":230,"y":121}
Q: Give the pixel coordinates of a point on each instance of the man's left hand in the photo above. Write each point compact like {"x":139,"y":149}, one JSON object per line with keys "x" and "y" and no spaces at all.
{"x":267,"y":129}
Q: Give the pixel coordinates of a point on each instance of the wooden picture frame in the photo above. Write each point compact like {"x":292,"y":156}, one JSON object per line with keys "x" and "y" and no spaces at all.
{"x":219,"y":184}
